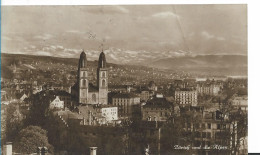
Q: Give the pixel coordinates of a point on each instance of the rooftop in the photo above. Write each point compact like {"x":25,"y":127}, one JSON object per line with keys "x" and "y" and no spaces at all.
{"x":125,"y":95}
{"x":158,"y":103}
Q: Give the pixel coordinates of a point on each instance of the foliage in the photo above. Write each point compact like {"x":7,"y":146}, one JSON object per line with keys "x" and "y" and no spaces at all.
{"x":14,"y":122}
{"x":30,"y":138}
{"x":41,"y":115}
{"x":57,"y":132}
{"x":39,"y":109}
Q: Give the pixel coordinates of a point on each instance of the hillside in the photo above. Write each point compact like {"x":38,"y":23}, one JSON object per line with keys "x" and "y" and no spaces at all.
{"x":223,"y":65}
{"x":218,"y":64}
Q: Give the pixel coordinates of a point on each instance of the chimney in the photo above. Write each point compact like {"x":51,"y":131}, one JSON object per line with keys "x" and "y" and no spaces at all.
{"x":8,"y":149}
{"x":93,"y":150}
{"x":84,"y":121}
{"x":39,"y":150}
{"x":42,"y":150}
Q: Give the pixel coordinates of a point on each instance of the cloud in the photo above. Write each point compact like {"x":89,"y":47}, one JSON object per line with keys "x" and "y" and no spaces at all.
{"x":72,"y":51}
{"x":74,"y":31}
{"x":108,"y":10}
{"x":32,"y":46}
{"x":208,"y":36}
{"x":59,"y":47}
{"x":43,"y":53}
{"x":6,"y":38}
{"x":122,"y":9}
{"x":44,"y":36}
{"x":220,"y":38}
{"x":165,"y":15}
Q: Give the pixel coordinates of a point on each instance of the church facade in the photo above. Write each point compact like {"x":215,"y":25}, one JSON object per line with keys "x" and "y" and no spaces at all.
{"x":85,"y":92}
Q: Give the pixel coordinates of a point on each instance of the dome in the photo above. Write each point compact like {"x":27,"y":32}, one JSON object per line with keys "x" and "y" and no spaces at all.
{"x":83,"y":60}
{"x":102,"y":60}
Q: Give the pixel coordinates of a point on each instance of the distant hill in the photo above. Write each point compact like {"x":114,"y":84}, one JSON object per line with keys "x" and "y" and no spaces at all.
{"x":24,"y":62}
{"x":227,"y":65}
{"x":213,"y":64}
{"x":8,"y":59}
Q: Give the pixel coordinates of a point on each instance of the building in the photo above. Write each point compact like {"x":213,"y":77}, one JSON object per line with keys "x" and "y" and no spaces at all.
{"x":209,"y":88}
{"x":208,"y":129}
{"x":211,"y":129}
{"x":85,"y":92}
{"x":109,"y":112}
{"x":63,"y":96}
{"x":157,"y":109}
{"x":185,"y":97}
{"x":144,"y":95}
{"x":57,"y":103}
{"x":152,"y":86}
{"x":240,"y":102}
{"x":97,"y":114}
{"x":24,"y":96}
{"x":243,"y":148}
{"x":125,"y":103}
{"x":90,"y":116}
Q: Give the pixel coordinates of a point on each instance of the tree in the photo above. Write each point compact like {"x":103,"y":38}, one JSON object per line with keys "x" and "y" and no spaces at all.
{"x":30,"y":138}
{"x":14,"y":122}
{"x":39,"y":108}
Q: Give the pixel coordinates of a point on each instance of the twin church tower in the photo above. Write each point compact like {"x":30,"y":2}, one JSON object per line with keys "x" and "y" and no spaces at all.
{"x":85,"y":92}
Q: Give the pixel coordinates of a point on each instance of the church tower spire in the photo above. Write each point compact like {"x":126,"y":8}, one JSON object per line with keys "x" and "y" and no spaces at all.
{"x":83,"y":78}
{"x":102,"y":60}
{"x":102,"y":78}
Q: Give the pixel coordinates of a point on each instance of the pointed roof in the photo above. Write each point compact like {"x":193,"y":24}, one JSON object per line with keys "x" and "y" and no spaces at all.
{"x":83,"y":60}
{"x":102,"y":60}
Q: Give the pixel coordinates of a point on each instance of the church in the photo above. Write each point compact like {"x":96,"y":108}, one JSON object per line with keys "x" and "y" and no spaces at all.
{"x":85,"y":92}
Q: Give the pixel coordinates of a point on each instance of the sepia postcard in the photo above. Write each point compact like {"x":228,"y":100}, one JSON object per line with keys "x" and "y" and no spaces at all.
{"x":124,"y":79}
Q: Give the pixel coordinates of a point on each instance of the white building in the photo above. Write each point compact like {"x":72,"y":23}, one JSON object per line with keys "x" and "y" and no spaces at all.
{"x":57,"y":103}
{"x":186,"y":97}
{"x":243,"y":147}
{"x":110,"y":113}
{"x":24,"y":96}
{"x":208,"y":89}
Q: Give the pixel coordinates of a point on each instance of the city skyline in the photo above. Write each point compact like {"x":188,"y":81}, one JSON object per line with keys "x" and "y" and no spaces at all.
{"x":129,"y":33}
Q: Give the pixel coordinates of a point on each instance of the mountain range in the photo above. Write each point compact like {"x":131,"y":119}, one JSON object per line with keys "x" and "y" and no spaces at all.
{"x":224,"y":64}
{"x":227,"y":65}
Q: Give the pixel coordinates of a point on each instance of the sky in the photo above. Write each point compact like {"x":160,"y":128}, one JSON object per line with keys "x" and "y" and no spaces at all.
{"x":128,"y":34}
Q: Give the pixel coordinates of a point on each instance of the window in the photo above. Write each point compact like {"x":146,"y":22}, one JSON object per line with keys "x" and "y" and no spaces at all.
{"x":197,"y":143}
{"x":196,"y":125}
{"x":218,"y":126}
{"x":151,"y":132}
{"x":188,"y":125}
{"x":103,"y":83}
{"x":208,"y":134}
{"x":84,"y":83}
{"x":209,"y":126}
{"x":197,"y":134}
{"x":94,"y":97}
{"x":83,"y":63}
{"x":203,"y":134}
{"x":103,"y":74}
